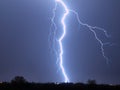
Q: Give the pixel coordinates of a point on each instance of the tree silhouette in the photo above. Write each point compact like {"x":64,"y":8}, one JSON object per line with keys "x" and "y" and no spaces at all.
{"x":19,"y":79}
{"x":91,"y":81}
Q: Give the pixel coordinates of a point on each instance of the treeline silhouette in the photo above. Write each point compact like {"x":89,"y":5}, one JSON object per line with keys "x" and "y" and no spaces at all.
{"x":19,"y":83}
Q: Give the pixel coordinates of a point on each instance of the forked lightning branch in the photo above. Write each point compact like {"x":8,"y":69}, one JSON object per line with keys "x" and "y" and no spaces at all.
{"x":60,"y":50}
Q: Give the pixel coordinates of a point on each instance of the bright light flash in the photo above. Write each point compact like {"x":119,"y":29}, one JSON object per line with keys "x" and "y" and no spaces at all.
{"x":59,"y":41}
{"x":61,"y":38}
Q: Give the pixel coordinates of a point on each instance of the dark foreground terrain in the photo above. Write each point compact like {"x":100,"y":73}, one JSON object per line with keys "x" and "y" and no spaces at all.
{"x":53,"y":86}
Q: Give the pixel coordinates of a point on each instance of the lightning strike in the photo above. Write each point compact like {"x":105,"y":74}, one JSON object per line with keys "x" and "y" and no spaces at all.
{"x":60,"y":52}
{"x":61,"y":38}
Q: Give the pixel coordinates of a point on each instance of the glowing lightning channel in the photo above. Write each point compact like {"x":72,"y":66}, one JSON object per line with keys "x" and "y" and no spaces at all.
{"x":61,"y":38}
{"x":91,"y":28}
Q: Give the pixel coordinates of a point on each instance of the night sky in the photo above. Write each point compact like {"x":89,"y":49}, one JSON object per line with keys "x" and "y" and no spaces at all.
{"x":25,"y":46}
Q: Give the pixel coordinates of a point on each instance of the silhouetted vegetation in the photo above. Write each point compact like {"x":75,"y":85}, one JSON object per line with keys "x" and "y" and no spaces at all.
{"x":91,"y":82}
{"x":18,"y":79}
{"x":19,"y":83}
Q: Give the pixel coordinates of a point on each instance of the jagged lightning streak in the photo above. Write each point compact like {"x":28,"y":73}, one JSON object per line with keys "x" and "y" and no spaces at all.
{"x":91,"y":28}
{"x":60,"y":55}
{"x":61,"y":38}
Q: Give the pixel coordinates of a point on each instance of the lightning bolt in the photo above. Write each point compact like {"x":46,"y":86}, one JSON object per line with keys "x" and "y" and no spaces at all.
{"x":61,"y":38}
{"x":59,"y":53}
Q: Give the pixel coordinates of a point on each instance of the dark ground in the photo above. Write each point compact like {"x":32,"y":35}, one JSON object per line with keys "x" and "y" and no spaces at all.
{"x":53,"y":86}
{"x":20,"y":83}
